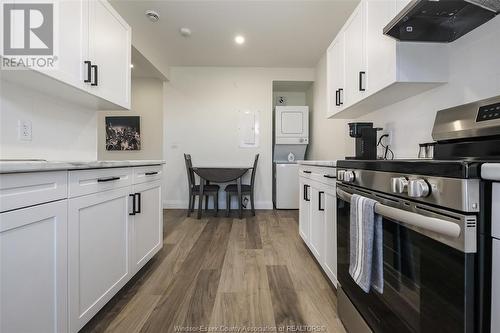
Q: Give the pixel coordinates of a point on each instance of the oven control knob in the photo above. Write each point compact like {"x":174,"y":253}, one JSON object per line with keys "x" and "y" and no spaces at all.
{"x":399,"y":185}
{"x":418,"y":188}
{"x":340,"y":175}
{"x":349,"y":176}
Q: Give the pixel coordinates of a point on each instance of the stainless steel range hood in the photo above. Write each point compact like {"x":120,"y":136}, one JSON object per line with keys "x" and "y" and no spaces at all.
{"x":440,"y":20}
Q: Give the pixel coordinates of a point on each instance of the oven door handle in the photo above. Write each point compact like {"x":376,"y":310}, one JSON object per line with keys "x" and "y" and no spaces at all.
{"x":439,"y":226}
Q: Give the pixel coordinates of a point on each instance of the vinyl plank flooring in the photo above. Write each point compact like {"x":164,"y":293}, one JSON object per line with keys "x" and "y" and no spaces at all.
{"x":161,"y":319}
{"x":253,"y":240}
{"x":225,"y":272}
{"x":202,"y":302}
{"x":286,"y":308}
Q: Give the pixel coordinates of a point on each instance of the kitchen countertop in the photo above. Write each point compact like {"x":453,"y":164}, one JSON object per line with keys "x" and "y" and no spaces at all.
{"x":17,"y":166}
{"x":330,"y":164}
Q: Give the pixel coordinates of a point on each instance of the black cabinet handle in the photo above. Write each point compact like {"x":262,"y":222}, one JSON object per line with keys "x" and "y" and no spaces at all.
{"x":151,"y":173}
{"x":133,"y":204}
{"x":321,"y":193}
{"x":306,"y":171}
{"x":337,"y":97}
{"x":110,"y":179}
{"x":96,"y":70}
{"x":341,"y":101}
{"x":329,"y":176}
{"x":89,"y":71}
{"x":361,"y":85}
{"x":139,"y":202}
{"x":306,"y":193}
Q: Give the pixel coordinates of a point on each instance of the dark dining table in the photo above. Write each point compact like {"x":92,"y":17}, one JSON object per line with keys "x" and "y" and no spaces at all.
{"x":221,"y":175}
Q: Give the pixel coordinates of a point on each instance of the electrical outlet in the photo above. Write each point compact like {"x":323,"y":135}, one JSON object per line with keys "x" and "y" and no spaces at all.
{"x":388,"y":140}
{"x":24,"y":130}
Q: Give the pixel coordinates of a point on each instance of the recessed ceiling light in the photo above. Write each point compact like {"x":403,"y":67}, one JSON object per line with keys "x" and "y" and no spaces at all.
{"x":152,"y":15}
{"x":185,"y":32}
{"x":239,"y":39}
{"x":131,"y":65}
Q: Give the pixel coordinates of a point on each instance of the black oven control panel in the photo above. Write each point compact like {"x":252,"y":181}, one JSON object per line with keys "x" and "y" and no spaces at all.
{"x":488,"y":112}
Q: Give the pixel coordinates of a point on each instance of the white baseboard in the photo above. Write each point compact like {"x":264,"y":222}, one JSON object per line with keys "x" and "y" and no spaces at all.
{"x":183,"y":204}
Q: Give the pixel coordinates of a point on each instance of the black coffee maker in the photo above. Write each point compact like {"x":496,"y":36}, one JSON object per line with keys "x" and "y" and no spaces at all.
{"x":366,"y":140}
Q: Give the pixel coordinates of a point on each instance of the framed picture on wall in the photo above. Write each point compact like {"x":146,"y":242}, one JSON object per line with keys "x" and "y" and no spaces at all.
{"x":123,"y":133}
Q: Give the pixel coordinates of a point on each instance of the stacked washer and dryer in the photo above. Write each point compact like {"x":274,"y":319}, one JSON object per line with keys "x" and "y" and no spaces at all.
{"x":291,"y":137}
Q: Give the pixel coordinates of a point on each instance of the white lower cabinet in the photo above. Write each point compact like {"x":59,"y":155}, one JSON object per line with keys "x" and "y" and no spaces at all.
{"x":330,"y":216}
{"x":62,"y":261}
{"x":33,"y":269}
{"x":147,"y":226}
{"x":318,"y":217}
{"x":317,"y":239}
{"x":99,"y":247}
{"x":304,"y":208}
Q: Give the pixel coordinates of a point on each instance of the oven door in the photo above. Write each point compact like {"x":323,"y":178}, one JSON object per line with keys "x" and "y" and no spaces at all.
{"x":428,"y":276}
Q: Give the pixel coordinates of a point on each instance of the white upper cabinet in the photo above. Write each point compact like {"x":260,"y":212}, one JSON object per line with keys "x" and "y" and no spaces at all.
{"x":377,"y":69}
{"x":109,"y":53}
{"x":381,"y":48}
{"x":355,"y":62}
{"x":93,"y":57}
{"x":72,"y":51}
{"x":335,"y":69}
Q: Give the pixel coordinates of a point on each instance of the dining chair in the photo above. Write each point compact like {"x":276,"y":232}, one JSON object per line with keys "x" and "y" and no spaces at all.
{"x":245,"y":189}
{"x":194,"y":190}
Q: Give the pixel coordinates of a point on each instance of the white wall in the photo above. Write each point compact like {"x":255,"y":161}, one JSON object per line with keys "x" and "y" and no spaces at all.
{"x":147,"y":102}
{"x":201,"y":119}
{"x":61,"y":130}
{"x":293,"y":98}
{"x":474,"y":67}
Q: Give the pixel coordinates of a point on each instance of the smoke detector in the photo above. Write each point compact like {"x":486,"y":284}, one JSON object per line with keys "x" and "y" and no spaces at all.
{"x":152,"y":15}
{"x":185,"y":32}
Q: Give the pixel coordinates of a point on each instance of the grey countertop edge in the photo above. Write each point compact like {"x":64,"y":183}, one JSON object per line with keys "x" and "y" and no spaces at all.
{"x":328,"y":164}
{"x":44,"y":166}
{"x":490,"y":171}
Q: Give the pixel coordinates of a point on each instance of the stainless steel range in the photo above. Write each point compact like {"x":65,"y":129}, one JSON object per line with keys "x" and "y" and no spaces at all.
{"x":437,"y":238}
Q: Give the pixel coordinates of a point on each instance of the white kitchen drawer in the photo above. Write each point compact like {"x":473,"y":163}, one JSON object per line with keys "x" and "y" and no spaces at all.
{"x":19,"y":190}
{"x":323,"y":175}
{"x":305,"y":171}
{"x":84,"y":182}
{"x":147,"y":174}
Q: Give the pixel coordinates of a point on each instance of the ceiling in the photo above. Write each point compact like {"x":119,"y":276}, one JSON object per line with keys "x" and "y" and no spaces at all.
{"x":278,"y":33}
{"x":143,"y":68}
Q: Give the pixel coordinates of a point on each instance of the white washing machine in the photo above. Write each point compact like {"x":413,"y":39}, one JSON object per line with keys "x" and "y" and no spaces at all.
{"x":286,"y":189}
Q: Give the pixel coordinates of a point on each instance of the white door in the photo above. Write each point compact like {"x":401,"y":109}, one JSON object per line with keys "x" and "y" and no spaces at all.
{"x":355,"y":72}
{"x":72,"y":18}
{"x":317,"y":237}
{"x":330,"y":215}
{"x":99,"y":239}
{"x":33,"y":269}
{"x":335,"y":76}
{"x":110,"y":51}
{"x":304,"y":209}
{"x":380,"y":49}
{"x":147,"y":226}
